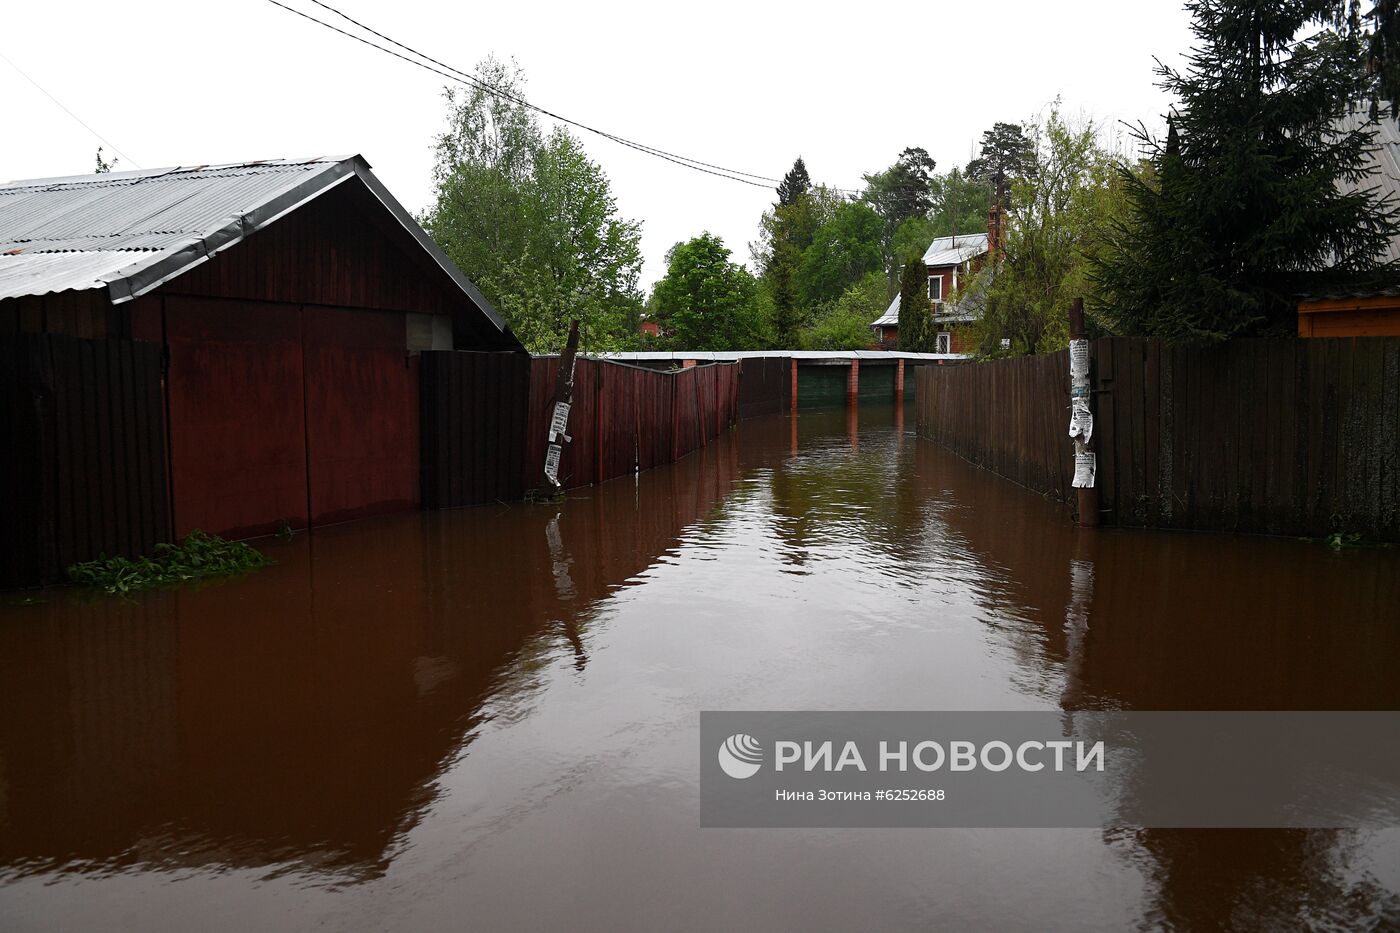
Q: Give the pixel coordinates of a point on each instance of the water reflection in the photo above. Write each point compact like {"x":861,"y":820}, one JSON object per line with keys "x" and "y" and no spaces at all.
{"x":491,"y":712}
{"x":298,"y":718}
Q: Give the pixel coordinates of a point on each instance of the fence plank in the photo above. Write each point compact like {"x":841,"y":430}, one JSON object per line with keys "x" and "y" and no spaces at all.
{"x":1278,"y":436}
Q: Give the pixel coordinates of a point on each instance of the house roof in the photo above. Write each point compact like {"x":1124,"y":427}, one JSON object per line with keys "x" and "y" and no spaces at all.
{"x":129,"y":232}
{"x":1383,"y":159}
{"x":891,"y":316}
{"x":952,"y":250}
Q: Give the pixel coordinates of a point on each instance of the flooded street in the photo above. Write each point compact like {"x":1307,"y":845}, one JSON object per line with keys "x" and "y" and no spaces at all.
{"x":488,"y":718}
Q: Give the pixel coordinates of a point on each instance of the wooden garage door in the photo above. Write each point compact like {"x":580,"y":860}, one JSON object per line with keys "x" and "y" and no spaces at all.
{"x":237,"y":436}
{"x":361,"y":414}
{"x":287,"y":413}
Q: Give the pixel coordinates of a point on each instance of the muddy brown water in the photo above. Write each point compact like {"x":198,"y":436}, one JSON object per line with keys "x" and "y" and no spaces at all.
{"x":488,"y":718}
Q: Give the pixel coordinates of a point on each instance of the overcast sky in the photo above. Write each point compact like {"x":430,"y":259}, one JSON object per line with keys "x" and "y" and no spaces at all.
{"x":745,"y":85}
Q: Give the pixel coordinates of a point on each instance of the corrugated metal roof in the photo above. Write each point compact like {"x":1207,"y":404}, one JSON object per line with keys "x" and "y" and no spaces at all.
{"x":951,"y":250}
{"x":90,"y":231}
{"x":131,"y":231}
{"x":1384,"y":160}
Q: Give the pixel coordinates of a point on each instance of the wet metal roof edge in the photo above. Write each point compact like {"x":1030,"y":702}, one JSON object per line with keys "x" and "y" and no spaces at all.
{"x":150,"y":270}
{"x":141,"y":277}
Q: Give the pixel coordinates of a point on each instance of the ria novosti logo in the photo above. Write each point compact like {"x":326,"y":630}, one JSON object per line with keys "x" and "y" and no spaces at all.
{"x":741,"y":756}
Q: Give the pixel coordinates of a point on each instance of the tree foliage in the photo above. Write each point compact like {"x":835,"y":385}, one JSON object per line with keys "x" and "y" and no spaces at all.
{"x":914,"y":311}
{"x":785,"y":232}
{"x":795,"y":183}
{"x":900,"y":194}
{"x":1007,"y":154}
{"x":1242,"y":210}
{"x":532,"y":221}
{"x":844,"y":324}
{"x":708,"y":302}
{"x":843,"y":251}
{"x":1056,"y":225}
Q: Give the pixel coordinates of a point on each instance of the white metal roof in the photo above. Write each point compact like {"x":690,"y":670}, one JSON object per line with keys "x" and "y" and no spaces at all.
{"x":952,"y":250}
{"x":891,"y":316}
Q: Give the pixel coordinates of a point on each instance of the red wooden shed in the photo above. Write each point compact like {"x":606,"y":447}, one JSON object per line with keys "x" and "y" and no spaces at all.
{"x":289,"y":300}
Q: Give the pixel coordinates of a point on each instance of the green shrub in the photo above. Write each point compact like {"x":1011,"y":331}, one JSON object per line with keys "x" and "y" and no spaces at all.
{"x":199,"y":556}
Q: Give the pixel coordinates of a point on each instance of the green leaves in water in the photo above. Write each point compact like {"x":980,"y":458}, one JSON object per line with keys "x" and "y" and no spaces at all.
{"x":198,"y":557}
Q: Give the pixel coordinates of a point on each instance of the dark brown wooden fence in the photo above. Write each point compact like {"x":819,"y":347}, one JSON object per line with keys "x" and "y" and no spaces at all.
{"x":472,"y":428}
{"x":82,"y":454}
{"x":626,"y":418}
{"x":485,"y":417}
{"x":1270,"y":436}
{"x":1011,"y":417}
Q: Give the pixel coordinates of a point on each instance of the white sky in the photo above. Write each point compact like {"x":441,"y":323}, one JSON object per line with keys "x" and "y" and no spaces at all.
{"x":746,"y":85}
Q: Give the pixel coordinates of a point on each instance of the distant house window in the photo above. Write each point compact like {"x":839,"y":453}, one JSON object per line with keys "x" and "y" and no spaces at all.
{"x":935,"y":288}
{"x":945,"y":343}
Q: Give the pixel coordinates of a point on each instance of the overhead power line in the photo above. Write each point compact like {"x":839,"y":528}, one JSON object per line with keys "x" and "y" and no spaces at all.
{"x":445,"y":70}
{"x":70,"y":113}
{"x":461,"y":77}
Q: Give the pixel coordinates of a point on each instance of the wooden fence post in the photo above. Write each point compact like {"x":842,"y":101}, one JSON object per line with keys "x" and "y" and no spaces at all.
{"x":1081,"y":425}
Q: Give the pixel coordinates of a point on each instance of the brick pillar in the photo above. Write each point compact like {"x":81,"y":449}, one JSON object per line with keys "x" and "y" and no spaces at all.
{"x":898,"y":380}
{"x":794,"y":384}
{"x":853,"y":382}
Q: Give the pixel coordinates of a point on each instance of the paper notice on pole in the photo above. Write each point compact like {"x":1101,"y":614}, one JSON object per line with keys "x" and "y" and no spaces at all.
{"x":1079,"y":357}
{"x":551,"y":463}
{"x":559,"y":421}
{"x":1081,"y":422}
{"x":1085,"y":463}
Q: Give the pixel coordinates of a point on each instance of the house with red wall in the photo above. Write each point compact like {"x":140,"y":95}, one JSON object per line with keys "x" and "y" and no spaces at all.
{"x":950,"y":263}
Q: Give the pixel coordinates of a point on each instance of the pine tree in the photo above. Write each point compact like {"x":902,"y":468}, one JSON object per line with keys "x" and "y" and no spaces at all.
{"x":1242,"y":211}
{"x":913,"y":306}
{"x":1007,"y":154}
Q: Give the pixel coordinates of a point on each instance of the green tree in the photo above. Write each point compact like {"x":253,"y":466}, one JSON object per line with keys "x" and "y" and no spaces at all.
{"x":103,"y":165}
{"x":900,"y":193}
{"x":708,"y":302}
{"x":785,"y":232}
{"x":1243,"y":209}
{"x":844,"y":324}
{"x":795,"y":183}
{"x":914,"y":311}
{"x":959,"y":204}
{"x":1007,"y":154}
{"x":843,"y":251}
{"x":1056,"y":227}
{"x":532,"y":221}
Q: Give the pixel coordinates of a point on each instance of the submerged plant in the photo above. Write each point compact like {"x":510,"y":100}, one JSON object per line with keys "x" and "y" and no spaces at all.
{"x":197,"y":557}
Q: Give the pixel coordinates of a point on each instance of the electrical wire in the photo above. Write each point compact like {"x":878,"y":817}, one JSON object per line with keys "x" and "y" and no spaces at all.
{"x":70,"y":113}
{"x":445,"y":70}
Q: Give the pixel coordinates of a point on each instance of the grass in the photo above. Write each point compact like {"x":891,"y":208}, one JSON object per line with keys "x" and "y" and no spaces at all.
{"x":198,"y":557}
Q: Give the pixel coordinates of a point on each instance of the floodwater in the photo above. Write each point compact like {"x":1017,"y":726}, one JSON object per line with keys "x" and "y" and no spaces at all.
{"x":488,"y":718}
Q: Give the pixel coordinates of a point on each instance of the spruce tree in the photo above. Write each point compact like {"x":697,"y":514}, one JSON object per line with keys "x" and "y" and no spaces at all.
{"x":794,"y":184}
{"x":913,"y":306}
{"x":789,"y":238}
{"x":1242,"y":211}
